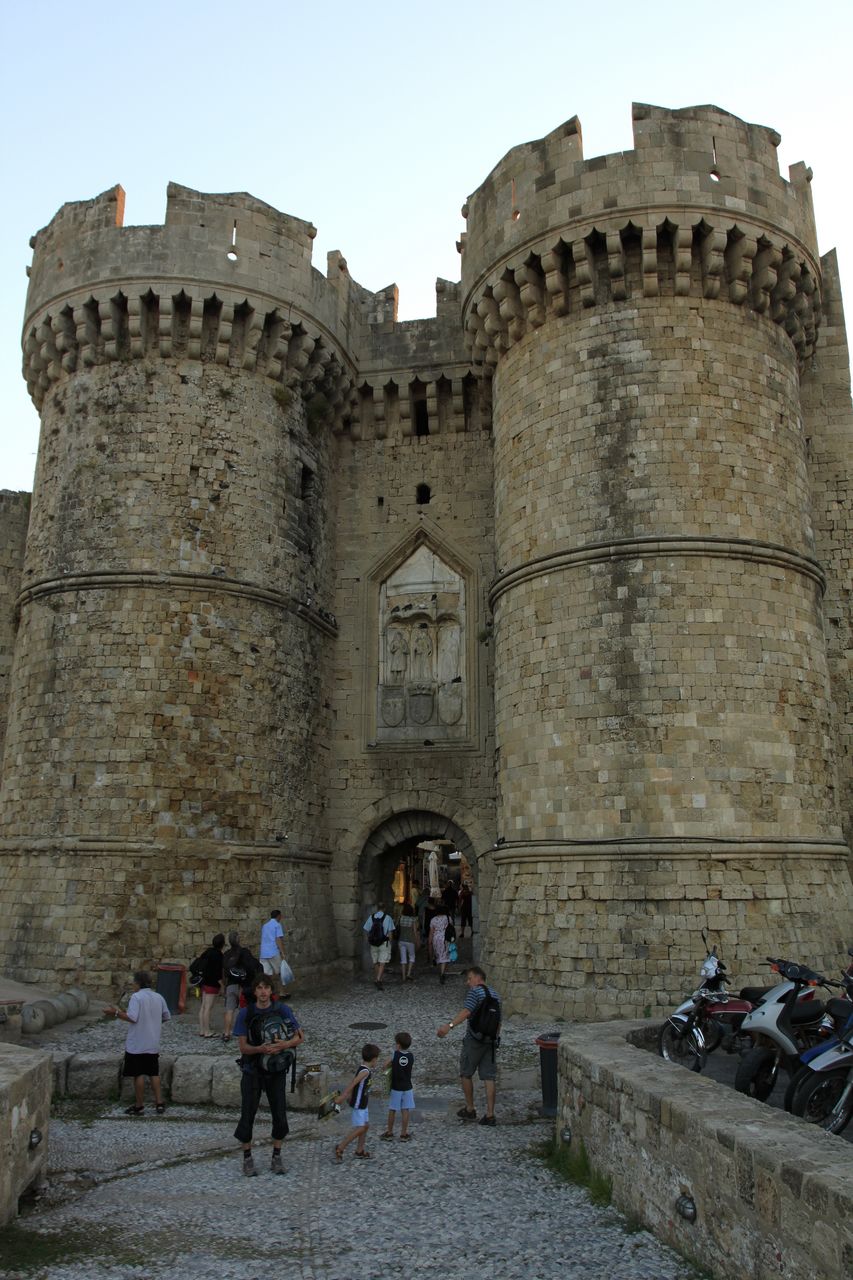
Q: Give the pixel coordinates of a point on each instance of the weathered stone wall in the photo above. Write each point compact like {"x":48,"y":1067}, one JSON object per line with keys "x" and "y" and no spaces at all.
{"x":828,"y":426}
{"x":662,"y":701}
{"x":370,"y":784}
{"x":773,"y":1196}
{"x":25,"y":1086}
{"x":255,"y":652}
{"x":14,"y":518}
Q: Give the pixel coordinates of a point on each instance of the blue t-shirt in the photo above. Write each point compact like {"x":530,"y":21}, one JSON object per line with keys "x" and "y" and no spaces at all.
{"x":277,"y":1012}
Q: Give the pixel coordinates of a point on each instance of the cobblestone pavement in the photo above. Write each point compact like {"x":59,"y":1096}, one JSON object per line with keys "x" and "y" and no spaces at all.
{"x":161,"y":1198}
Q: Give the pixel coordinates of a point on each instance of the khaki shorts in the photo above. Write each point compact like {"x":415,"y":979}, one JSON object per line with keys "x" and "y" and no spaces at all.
{"x":478,"y":1055}
{"x":381,"y":955}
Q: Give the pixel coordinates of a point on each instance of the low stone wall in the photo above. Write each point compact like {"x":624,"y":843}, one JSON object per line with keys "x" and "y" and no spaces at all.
{"x":25,"y":1087}
{"x":773,"y":1195}
{"x":188,"y":1079}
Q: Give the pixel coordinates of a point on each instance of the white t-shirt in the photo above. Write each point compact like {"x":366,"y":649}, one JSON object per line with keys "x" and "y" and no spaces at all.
{"x":147,"y":1011}
{"x":271,"y":930}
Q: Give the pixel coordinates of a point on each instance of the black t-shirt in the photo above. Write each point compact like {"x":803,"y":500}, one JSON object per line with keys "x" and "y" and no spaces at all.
{"x":401,"y":1070}
{"x":211,"y":967}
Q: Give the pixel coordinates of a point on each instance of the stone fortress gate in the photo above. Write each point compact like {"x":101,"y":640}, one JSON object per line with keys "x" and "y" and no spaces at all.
{"x":561,"y":576}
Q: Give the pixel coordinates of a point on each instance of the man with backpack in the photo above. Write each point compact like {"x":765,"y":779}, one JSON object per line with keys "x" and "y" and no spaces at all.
{"x":379,"y":927}
{"x":268,"y":1034}
{"x":482,"y":1018}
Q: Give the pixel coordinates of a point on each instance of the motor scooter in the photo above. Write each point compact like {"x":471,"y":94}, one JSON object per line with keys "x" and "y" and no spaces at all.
{"x":781,"y":1027}
{"x":817,"y":1091}
{"x":710,"y":1017}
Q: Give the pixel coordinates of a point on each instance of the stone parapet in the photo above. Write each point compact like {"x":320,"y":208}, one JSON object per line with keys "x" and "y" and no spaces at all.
{"x":772,"y":1195}
{"x":697,"y":209}
{"x":25,"y":1087}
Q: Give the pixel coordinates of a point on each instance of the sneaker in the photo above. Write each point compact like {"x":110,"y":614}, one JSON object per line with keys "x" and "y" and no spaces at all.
{"x":490,"y":1120}
{"x":464,"y":1114}
{"x":275,"y":1164}
{"x":249,"y":1170}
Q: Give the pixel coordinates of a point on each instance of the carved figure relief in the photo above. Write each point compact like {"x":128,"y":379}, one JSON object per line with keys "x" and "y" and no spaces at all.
{"x":421,"y":691}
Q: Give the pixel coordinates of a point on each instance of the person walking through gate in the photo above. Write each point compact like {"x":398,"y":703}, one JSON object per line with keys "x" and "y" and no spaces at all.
{"x":271,"y":950}
{"x":379,"y":926}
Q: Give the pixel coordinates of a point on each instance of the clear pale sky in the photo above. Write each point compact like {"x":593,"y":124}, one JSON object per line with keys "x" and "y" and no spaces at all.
{"x":375,"y":121}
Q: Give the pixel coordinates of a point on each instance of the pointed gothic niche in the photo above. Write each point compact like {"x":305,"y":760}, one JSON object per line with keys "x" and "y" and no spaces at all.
{"x":422,"y":688}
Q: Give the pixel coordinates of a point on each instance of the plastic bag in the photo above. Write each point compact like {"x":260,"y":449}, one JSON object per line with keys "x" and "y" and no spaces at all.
{"x":285,"y":974}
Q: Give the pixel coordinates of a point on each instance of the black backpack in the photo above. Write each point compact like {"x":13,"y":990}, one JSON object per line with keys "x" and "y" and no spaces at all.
{"x":450,"y":930}
{"x":195,"y":973}
{"x":376,"y":936}
{"x":268,"y":1025}
{"x":485,"y":1021}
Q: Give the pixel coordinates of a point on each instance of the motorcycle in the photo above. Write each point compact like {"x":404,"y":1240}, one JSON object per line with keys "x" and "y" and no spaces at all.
{"x":781,"y":1027}
{"x":710,"y":1017}
{"x":822,"y":1090}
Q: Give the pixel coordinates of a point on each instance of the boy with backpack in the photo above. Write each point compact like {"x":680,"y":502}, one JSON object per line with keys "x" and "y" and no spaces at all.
{"x":358,"y":1094}
{"x":379,"y":927}
{"x":482,"y":1018}
{"x":268,"y":1034}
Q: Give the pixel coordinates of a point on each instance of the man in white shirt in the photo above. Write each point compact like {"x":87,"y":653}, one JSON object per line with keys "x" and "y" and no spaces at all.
{"x":271,"y":950}
{"x":146,"y":1013}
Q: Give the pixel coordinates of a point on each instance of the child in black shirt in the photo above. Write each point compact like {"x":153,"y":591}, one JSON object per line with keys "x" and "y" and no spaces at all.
{"x":402,"y":1097}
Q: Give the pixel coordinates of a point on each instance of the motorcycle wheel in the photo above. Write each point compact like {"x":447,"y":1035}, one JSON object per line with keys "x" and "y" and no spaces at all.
{"x":816,"y":1100}
{"x":681,"y":1048}
{"x":757,"y":1074}
{"x":798,"y":1078}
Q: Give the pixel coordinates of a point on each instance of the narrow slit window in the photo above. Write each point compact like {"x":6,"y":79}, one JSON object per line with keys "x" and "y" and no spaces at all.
{"x":306,"y":484}
{"x":422,"y":495}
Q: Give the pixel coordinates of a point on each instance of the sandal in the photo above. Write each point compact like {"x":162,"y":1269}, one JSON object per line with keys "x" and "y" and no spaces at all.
{"x":363,"y":1155}
{"x":405,"y":1137}
{"x":160,"y":1108}
{"x":386,"y":1137}
{"x":339,"y":1156}
{"x":133,"y":1111}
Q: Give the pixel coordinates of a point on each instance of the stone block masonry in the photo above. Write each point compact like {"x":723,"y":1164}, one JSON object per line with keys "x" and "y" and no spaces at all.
{"x":772,"y":1196}
{"x":560,"y":576}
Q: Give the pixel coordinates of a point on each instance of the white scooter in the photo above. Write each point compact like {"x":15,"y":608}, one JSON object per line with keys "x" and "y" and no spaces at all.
{"x":781,"y":1028}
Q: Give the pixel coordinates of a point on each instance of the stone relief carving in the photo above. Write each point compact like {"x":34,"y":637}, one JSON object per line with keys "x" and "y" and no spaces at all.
{"x":422,"y":682}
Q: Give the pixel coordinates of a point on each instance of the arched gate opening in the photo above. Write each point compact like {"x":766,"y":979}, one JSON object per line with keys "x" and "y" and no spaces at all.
{"x":407,"y":851}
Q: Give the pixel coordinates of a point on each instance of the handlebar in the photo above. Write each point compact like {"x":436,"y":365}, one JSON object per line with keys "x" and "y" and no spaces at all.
{"x":799,"y":973}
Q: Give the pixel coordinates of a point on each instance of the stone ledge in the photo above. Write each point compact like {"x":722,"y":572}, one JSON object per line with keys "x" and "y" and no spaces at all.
{"x":188,"y":1079}
{"x":25,"y":1079}
{"x":756,"y":1175}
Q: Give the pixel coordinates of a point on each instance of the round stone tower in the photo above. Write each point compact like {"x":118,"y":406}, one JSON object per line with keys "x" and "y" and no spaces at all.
{"x":661,"y":697}
{"x":164,"y":759}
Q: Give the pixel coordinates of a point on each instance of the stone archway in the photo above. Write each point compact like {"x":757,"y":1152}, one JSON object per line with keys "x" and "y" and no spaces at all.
{"x":393,"y":839}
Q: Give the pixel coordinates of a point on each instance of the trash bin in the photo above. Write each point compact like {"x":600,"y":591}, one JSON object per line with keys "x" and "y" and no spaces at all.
{"x":172,"y":985}
{"x":548,"y":1067}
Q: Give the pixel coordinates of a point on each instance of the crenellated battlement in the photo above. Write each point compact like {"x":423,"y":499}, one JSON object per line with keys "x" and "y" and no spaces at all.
{"x":698,"y":208}
{"x":226,"y":279}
